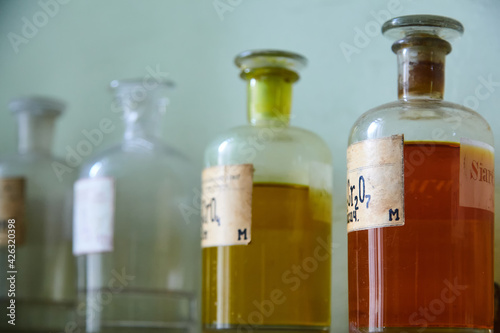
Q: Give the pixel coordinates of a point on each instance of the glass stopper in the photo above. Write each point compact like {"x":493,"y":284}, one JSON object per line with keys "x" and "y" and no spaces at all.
{"x":414,"y":25}
{"x":253,"y":59}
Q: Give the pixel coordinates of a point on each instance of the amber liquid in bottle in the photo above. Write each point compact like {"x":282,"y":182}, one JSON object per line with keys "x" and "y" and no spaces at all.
{"x":436,"y":270}
{"x":287,"y":263}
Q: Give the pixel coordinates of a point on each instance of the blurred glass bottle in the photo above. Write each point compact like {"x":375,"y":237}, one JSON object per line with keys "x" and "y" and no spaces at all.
{"x":266,"y":212}
{"x":138,"y":255}
{"x":420,"y":198}
{"x":37,"y":276}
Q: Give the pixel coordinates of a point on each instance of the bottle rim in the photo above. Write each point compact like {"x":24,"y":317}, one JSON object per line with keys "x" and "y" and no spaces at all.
{"x":141,"y":82}
{"x":439,"y":26}
{"x":268,"y":58}
{"x":37,"y":105}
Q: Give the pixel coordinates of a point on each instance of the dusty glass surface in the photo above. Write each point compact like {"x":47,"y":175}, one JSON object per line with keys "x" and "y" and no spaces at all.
{"x":400,"y":277}
{"x":275,"y":282}
{"x":41,"y":263}
{"x":150,"y":277}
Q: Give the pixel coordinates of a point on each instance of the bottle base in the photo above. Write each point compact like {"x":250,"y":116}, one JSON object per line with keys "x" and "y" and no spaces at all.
{"x":137,"y":311}
{"x":248,"y":328}
{"x":419,"y":330}
{"x":37,"y":316}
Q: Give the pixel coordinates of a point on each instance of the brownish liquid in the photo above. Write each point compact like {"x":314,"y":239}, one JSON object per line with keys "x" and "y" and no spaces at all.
{"x":437,"y":269}
{"x":282,"y":278}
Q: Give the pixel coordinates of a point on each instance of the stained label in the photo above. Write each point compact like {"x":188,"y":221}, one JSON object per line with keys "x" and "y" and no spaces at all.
{"x":375,"y":183}
{"x":93,"y":215}
{"x":12,"y":201}
{"x":477,"y":175}
{"x":226,"y":207}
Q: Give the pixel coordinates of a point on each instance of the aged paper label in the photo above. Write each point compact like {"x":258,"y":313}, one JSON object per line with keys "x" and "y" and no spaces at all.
{"x":477,"y":175}
{"x":226,"y":207}
{"x":93,"y":215}
{"x":375,"y":183}
{"x":12,"y":201}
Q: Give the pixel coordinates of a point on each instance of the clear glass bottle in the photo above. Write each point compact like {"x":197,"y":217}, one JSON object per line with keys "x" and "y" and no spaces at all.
{"x":266,"y":212}
{"x":420,"y":198}
{"x":35,"y":226}
{"x":138,"y":256}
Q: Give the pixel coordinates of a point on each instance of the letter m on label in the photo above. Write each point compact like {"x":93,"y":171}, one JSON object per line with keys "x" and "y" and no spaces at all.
{"x":242,"y":233}
{"x":394,"y":214}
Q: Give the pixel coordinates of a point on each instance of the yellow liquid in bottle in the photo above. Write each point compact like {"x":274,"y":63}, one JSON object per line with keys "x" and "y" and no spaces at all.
{"x":281,"y":280}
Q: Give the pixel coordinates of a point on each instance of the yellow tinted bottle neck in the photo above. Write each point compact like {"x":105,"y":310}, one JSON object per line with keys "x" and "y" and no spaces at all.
{"x":269,"y":95}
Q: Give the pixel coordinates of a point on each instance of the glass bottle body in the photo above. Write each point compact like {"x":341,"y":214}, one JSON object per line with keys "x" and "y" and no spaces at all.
{"x":280,"y":280}
{"x":291,"y":224}
{"x":38,"y":255}
{"x":426,"y":261}
{"x":441,"y":259}
{"x":146,"y":278}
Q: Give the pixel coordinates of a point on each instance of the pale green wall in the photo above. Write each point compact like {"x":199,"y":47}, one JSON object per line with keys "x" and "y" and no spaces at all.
{"x":88,"y":43}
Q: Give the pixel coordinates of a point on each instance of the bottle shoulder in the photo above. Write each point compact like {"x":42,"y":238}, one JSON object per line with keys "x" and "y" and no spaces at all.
{"x":287,"y":155}
{"x":255,"y":129}
{"x":22,"y":163}
{"x":246,"y":143}
{"x":35,"y":166}
{"x":135,"y":156}
{"x":422,"y":120}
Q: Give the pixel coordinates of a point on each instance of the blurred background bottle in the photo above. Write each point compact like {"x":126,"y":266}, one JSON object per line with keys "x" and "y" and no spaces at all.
{"x":421,"y":198}
{"x":138,"y":255}
{"x":266,"y":212}
{"x":35,"y":225}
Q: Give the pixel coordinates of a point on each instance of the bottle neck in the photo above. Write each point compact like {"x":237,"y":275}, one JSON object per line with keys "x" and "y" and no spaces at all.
{"x":142,"y":114}
{"x":270,"y":96}
{"x":35,"y":133}
{"x":421,"y":67}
